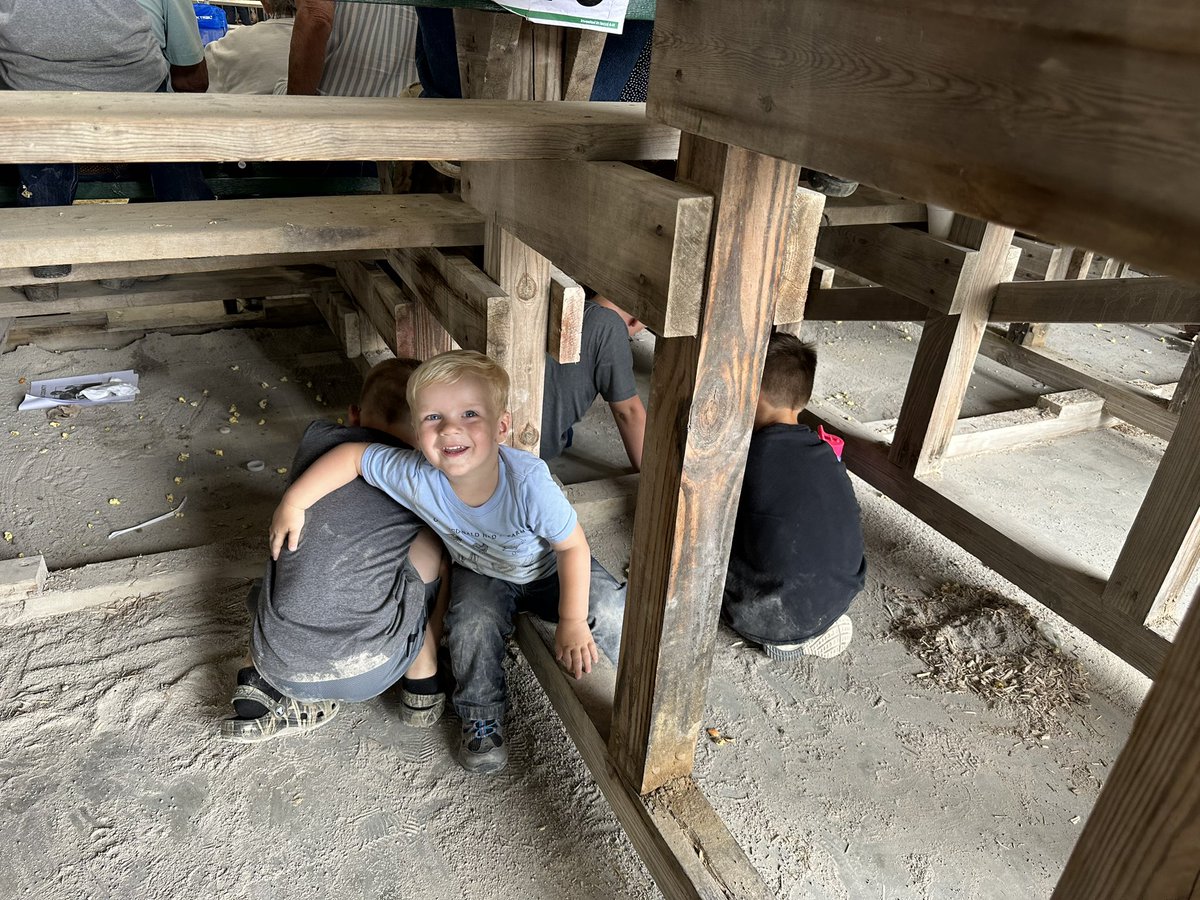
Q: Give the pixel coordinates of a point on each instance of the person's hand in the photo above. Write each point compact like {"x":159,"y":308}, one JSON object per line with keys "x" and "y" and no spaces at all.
{"x":286,"y":525}
{"x":574,"y":647}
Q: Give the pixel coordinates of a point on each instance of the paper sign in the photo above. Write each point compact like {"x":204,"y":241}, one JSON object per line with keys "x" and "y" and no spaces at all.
{"x":110,"y":387}
{"x":594,"y":15}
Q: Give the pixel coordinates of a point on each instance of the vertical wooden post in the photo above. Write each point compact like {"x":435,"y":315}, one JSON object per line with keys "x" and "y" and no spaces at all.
{"x":1033,"y":334}
{"x":946,"y":353}
{"x":1165,"y":524}
{"x":702,"y":400}
{"x":1142,"y":840}
{"x":1188,"y":380}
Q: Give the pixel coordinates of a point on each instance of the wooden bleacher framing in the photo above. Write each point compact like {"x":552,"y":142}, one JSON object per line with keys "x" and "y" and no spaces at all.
{"x":1040,"y":133}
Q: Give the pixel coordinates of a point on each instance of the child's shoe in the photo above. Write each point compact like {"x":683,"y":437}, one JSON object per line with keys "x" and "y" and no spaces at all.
{"x":483,"y":751}
{"x":829,"y":643}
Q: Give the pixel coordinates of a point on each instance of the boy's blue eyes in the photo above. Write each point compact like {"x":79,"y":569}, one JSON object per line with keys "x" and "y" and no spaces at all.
{"x":433,"y":417}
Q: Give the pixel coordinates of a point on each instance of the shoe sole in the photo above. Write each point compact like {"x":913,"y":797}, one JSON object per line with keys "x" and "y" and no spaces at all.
{"x":482,"y":764}
{"x":826,"y":645}
{"x":272,"y":726}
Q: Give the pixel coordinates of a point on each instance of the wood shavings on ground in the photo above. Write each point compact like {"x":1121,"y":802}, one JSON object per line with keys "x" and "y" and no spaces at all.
{"x":974,"y":639}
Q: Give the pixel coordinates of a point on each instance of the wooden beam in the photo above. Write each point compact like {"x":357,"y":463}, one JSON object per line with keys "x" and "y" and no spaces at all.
{"x":947,"y":349}
{"x":566,"y":318}
{"x":795,"y":281}
{"x":175,"y":289}
{"x":871,"y":206}
{"x":1166,"y":518}
{"x":1040,"y":260}
{"x":908,"y":261}
{"x":1140,"y":839}
{"x":949,"y":103}
{"x":1140,"y":300}
{"x":381,"y":303}
{"x":109,"y":233}
{"x":686,"y":847}
{"x":634,"y":237}
{"x":21,"y":577}
{"x":156,"y":267}
{"x":1042,"y":569}
{"x":472,"y":308}
{"x":487,"y":51}
{"x":1187,"y":381}
{"x":342,"y":317}
{"x":870,"y":304}
{"x":1125,"y":401}
{"x":1056,"y":416}
{"x":603,"y":501}
{"x":39,"y":127}
{"x":702,"y":399}
{"x":581,"y":60}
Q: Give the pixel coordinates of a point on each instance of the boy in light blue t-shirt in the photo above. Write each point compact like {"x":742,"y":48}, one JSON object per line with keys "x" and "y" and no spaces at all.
{"x":515,"y":541}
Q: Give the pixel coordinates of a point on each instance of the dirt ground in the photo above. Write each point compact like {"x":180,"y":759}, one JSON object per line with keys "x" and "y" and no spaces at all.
{"x":902,"y":770}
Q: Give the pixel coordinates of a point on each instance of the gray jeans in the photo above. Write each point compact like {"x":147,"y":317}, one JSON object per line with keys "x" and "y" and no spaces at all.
{"x":480,"y":622}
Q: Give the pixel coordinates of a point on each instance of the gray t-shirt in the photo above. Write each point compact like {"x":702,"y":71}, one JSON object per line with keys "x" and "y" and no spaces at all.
{"x":78,"y":45}
{"x":346,"y":601}
{"x":605,"y":368}
{"x":509,"y":537}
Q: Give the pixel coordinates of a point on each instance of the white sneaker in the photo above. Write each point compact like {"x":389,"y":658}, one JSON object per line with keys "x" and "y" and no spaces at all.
{"x":829,"y":643}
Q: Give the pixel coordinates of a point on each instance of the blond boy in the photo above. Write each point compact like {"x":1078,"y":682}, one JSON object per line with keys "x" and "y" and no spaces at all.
{"x":514,"y":539}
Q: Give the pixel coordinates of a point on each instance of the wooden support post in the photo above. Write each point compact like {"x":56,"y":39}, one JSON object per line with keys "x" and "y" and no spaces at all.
{"x":566,"y":318}
{"x":702,"y":400}
{"x":1164,"y":524}
{"x":1140,"y":841}
{"x":1187,"y":381}
{"x":800,"y":275}
{"x":487,"y":52}
{"x":581,"y":60}
{"x":947,"y":350}
{"x":1049,"y":263}
{"x":524,"y":275}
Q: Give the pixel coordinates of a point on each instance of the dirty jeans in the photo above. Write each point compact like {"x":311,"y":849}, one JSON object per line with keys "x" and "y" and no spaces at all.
{"x":480,"y":622}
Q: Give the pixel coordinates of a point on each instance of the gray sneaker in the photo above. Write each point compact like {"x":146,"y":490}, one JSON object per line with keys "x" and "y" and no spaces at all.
{"x":483,"y":751}
{"x":829,"y":643}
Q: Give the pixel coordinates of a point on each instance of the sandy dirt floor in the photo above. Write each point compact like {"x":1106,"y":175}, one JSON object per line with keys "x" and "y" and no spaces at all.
{"x":902,"y":770}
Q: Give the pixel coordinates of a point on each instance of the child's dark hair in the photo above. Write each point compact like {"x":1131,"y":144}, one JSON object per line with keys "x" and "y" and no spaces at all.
{"x":383,"y":392}
{"x":789,"y":370}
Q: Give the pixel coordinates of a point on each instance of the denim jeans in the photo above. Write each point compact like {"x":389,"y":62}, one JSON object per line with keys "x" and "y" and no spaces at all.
{"x":437,"y":56}
{"x":480,"y":622}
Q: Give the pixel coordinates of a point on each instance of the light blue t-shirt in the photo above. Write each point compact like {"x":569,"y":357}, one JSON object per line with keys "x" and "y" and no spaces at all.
{"x":509,"y":537}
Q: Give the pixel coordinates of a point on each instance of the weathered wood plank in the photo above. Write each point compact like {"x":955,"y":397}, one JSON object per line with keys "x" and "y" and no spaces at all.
{"x":634,"y":237}
{"x":108,"y":233}
{"x":487,"y":52}
{"x":871,"y":206}
{"x":40,"y":127}
{"x":1187,"y":381}
{"x":908,"y":261}
{"x":1140,"y":840}
{"x":795,"y":281}
{"x":1141,"y":300}
{"x":566,"y":318}
{"x":702,"y":400}
{"x":1054,"y":418}
{"x":1125,"y":401}
{"x":1164,"y":520}
{"x":1031,"y":115}
{"x":869,"y":304}
{"x":946,"y":351}
{"x":581,"y":60}
{"x":1042,"y":569}
{"x":21,"y":577}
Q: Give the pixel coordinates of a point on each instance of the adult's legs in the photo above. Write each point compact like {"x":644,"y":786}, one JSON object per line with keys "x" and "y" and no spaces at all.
{"x":179,"y":181}
{"x":47,"y":185}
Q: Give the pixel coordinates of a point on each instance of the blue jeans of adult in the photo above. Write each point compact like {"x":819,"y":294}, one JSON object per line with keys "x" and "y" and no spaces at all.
{"x":481,"y":620}
{"x":437,"y":56}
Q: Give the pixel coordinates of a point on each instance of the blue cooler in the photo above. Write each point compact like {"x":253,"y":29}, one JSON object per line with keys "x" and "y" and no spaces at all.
{"x":213,"y":25}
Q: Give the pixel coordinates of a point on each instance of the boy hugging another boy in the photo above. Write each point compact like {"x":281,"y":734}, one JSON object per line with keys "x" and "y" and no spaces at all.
{"x":351,"y":611}
{"x":514,"y":539}
{"x":797,"y":557}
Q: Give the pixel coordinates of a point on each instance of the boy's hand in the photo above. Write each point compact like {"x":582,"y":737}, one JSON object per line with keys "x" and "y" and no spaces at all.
{"x":574,"y":647}
{"x":286,"y":524}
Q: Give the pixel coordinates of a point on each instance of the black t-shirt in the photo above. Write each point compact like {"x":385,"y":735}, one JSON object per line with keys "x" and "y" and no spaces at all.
{"x":797,"y":558}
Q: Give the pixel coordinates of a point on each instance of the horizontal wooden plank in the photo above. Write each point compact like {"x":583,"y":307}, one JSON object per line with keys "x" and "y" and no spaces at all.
{"x":1041,"y":569}
{"x":1029,"y":114}
{"x":1141,"y":300}
{"x":636,"y":238}
{"x":871,"y":206}
{"x":686,"y":847}
{"x":276,"y":282}
{"x":1020,"y":428}
{"x":108,"y":233}
{"x":908,"y":261}
{"x":863,"y":304}
{"x":37,"y":127}
{"x":155,"y":267}
{"x":1125,"y":401}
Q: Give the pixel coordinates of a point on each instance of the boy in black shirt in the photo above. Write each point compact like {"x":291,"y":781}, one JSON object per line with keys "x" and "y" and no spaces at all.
{"x":797,"y":558}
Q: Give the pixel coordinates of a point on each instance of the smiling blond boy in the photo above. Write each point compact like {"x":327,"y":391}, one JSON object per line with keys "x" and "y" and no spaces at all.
{"x":514,"y":539}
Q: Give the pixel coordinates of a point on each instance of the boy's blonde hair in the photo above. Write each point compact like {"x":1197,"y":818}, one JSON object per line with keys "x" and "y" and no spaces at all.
{"x":451,"y":367}
{"x":384,"y":392}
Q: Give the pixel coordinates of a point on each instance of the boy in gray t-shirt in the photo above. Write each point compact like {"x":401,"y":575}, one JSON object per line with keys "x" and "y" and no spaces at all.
{"x":351,"y":612}
{"x":515,"y":540}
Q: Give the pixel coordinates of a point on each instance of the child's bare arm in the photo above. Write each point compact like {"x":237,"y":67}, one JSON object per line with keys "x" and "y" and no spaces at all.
{"x":573,"y":644}
{"x":338,"y":467}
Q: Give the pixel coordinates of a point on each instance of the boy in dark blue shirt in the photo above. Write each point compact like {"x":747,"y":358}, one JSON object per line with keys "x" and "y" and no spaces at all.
{"x":797,"y":557}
